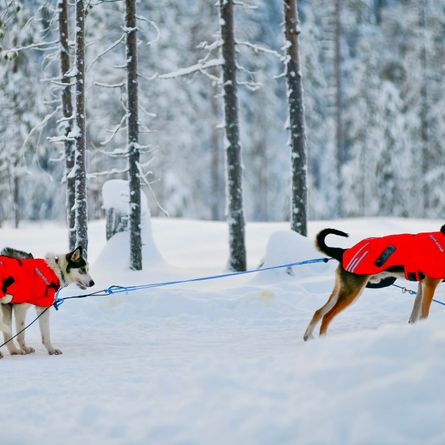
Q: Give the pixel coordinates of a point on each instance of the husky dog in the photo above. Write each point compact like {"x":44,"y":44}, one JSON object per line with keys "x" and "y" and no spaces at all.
{"x":28,"y":281}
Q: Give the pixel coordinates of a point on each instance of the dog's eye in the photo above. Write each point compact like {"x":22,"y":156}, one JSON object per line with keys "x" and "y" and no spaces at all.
{"x":82,"y":271}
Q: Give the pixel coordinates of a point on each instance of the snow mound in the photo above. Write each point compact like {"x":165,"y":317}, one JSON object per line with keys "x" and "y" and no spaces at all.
{"x":287,"y":246}
{"x":115,"y":256}
{"x":115,"y":195}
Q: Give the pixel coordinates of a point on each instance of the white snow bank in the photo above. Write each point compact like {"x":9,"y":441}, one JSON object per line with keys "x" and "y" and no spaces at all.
{"x":115,"y":256}
{"x":226,"y":364}
{"x":116,"y":195}
{"x":285,"y":247}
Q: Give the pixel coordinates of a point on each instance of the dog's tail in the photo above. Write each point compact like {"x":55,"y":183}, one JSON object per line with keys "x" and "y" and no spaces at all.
{"x":334,"y":252}
{"x":14,"y":253}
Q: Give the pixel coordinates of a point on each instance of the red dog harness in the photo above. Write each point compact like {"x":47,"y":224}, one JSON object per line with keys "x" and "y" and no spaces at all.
{"x":28,"y":281}
{"x":421,"y":254}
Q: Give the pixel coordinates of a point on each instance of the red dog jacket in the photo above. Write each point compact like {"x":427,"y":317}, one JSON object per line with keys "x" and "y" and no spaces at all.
{"x":421,"y":254}
{"x":28,"y":281}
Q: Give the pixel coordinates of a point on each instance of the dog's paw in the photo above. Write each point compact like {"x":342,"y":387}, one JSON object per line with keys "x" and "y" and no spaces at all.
{"x":55,"y":351}
{"x":307,"y":337}
{"x":16,"y":352}
{"x":28,"y":350}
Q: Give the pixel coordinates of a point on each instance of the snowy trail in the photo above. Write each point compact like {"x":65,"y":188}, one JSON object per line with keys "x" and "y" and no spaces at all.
{"x":224,"y":362}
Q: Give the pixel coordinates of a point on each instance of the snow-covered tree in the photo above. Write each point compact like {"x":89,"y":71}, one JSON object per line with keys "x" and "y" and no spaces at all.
{"x":78,"y":132}
{"x":297,"y":138}
{"x":67,"y":110}
{"x":235,"y":210}
{"x":133,"y":137}
{"x":20,"y":98}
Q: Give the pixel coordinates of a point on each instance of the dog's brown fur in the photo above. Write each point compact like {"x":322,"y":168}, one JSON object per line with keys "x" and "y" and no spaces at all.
{"x":348,"y":287}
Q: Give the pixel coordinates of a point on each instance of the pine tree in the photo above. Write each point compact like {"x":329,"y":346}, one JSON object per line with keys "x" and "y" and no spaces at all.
{"x":237,"y":259}
{"x":297,"y":140}
{"x":81,"y":215}
{"x":67,"y":109}
{"x":133,"y":147}
{"x":20,"y":99}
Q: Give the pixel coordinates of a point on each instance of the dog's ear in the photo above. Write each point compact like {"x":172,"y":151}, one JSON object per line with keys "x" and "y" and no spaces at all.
{"x":76,"y":254}
{"x":442,"y":229}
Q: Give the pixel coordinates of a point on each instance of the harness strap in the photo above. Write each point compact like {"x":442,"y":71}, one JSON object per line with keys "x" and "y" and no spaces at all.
{"x":6,"y":283}
{"x":52,"y":285}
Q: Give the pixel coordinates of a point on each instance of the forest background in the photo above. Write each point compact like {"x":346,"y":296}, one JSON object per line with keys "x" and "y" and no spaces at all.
{"x":374,"y":109}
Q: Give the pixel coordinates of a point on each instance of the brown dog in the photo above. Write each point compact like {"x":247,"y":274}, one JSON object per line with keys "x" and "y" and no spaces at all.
{"x":351,"y":277}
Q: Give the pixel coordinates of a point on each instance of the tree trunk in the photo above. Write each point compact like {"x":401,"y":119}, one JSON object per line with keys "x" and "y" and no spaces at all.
{"x":81,"y":215}
{"x":339,"y":139}
{"x":67,"y":108}
{"x":297,"y":139}
{"x":235,"y":212}
{"x":133,"y":136}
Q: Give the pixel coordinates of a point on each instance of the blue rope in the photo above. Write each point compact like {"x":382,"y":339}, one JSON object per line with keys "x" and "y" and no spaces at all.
{"x":125,"y":289}
{"x":413,"y":292}
{"x":114,"y":289}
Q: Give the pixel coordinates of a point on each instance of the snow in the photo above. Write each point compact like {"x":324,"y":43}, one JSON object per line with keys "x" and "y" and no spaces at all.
{"x":223,"y":362}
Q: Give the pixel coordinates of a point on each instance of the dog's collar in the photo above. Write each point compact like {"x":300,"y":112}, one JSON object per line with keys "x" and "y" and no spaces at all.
{"x":62,"y":276}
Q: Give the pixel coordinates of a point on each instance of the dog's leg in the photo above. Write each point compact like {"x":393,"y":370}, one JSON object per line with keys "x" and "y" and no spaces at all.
{"x":318,"y":314}
{"x":44,"y":330}
{"x":20,"y":317}
{"x":415,"y":313}
{"x":7,"y":329}
{"x":430,"y":285}
{"x":350,"y":288}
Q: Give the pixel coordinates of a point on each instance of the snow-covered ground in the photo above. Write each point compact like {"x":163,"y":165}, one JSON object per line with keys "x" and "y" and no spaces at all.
{"x":223,"y":362}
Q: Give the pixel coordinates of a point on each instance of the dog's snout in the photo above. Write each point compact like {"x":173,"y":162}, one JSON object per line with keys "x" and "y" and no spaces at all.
{"x":91,"y":283}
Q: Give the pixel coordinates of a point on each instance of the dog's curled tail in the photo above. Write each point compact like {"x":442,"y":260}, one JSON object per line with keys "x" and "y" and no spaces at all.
{"x":334,"y":252}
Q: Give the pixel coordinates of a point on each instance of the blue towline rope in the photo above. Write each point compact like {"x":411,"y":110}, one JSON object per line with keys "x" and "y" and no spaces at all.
{"x":125,"y":289}
{"x":413,"y":292}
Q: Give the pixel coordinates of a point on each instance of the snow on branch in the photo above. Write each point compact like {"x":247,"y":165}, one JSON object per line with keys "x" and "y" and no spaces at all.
{"x":107,"y":50}
{"x":143,"y":76}
{"x":116,"y":153}
{"x":143,"y":176}
{"x":59,"y":83}
{"x":113,"y":171}
{"x":212,"y":46}
{"x":42,"y":46}
{"x":40,"y":125}
{"x":199,"y":67}
{"x":113,"y":85}
{"x":258,"y":48}
{"x":244,"y":5}
{"x":251,"y":84}
{"x":116,"y":130}
{"x":147,"y":113}
{"x":153,"y":25}
{"x":59,"y":139}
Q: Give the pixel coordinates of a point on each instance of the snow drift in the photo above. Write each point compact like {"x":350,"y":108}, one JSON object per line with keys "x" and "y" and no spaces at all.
{"x":224,"y":362}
